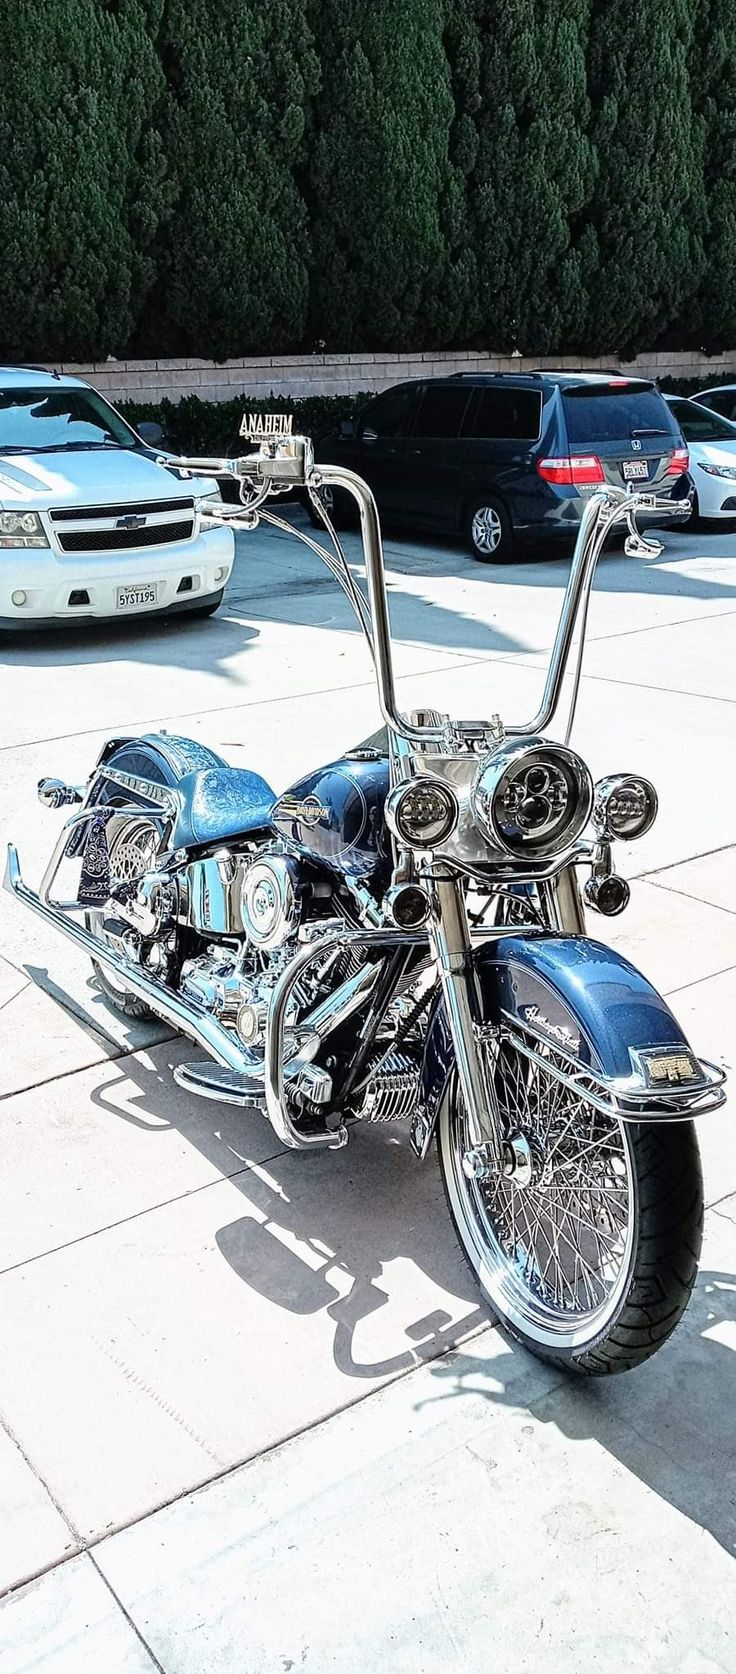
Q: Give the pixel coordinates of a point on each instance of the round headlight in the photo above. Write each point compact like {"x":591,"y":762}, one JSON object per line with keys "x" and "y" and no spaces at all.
{"x":624,"y":806}
{"x":422,"y":813}
{"x":533,"y":799}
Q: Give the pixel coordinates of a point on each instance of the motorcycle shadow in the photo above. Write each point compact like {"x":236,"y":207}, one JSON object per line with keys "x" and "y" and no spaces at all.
{"x":670,"y":1423}
{"x":361,"y":1236}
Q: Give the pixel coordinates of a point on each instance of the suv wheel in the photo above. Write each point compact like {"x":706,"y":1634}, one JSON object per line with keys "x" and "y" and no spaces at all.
{"x":489,"y":532}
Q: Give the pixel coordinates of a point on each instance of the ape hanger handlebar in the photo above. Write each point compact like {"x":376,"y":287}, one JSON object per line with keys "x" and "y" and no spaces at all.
{"x":286,"y":462}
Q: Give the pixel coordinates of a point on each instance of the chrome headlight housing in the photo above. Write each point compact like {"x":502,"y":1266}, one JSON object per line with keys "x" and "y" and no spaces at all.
{"x":624,"y":806}
{"x":422,"y":812}
{"x":533,"y":799}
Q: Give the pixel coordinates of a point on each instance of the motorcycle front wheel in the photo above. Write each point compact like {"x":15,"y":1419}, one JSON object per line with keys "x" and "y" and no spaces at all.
{"x":587,"y":1250}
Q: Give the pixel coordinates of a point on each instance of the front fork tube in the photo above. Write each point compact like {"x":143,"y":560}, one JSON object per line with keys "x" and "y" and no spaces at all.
{"x":561,"y":902}
{"x":451,"y":938}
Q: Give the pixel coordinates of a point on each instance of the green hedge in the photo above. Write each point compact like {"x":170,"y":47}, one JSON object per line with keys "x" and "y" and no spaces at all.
{"x":226,"y":177}
{"x":212,"y":427}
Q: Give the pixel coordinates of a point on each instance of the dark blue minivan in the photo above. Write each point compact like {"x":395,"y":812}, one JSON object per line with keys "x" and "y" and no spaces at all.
{"x":504,"y":459}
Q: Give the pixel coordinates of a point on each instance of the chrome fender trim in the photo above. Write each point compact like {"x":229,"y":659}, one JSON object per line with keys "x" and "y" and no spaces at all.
{"x":594,"y":1021}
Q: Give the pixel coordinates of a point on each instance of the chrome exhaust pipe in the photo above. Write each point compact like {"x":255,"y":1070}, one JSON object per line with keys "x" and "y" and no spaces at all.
{"x":187,"y":1017}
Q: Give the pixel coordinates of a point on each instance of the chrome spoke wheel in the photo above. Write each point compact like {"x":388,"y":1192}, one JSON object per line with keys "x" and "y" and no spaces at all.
{"x":553,"y":1237}
{"x":132,"y":846}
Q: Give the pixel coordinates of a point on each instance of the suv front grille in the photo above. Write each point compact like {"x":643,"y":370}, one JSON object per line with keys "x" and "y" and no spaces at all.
{"x":141,"y":508}
{"x":119,"y":540}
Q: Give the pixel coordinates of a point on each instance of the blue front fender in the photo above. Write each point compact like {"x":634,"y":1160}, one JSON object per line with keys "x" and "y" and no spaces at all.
{"x":587,"y":1001}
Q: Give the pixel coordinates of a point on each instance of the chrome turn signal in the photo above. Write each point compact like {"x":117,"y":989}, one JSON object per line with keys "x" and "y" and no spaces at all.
{"x":608,"y":895}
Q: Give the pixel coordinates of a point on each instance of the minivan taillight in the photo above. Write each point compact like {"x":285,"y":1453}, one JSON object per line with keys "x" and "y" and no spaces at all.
{"x":572,"y":469}
{"x":678,"y":464}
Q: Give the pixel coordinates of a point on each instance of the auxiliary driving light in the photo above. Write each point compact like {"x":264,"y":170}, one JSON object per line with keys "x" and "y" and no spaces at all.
{"x":422,"y":813}
{"x":624,"y":806}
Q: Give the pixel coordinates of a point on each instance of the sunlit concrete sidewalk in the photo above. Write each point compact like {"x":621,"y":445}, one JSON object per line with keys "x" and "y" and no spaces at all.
{"x":178,"y":1296}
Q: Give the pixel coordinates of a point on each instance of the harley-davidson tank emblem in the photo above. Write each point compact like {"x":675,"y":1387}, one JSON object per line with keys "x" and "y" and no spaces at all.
{"x":261,"y":427}
{"x":308,"y":809}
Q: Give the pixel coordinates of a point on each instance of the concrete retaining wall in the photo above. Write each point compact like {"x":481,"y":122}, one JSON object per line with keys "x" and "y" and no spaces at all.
{"x":299,"y":375}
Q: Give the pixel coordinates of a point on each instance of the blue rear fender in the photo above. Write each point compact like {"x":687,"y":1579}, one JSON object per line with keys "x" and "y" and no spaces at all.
{"x":597,"y":1009}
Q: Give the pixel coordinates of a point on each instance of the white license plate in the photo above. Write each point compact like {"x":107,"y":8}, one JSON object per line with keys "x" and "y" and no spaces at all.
{"x":635,"y":469}
{"x":136,"y":598}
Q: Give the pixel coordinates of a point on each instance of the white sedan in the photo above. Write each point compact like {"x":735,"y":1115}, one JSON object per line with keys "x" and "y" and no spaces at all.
{"x":93,"y":521}
{"x":711,"y":442}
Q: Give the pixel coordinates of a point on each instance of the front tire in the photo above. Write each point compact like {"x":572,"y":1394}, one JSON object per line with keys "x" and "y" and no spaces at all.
{"x":589,"y":1252}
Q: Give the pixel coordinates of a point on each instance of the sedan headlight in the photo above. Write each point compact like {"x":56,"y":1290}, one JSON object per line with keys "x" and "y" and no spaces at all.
{"x":21,"y":529}
{"x":624,"y":806}
{"x":719,"y":471}
{"x":534,"y":799}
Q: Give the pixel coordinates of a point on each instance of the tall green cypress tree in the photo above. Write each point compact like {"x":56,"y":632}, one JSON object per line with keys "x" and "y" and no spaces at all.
{"x":649,"y":214}
{"x":710,"y":320}
{"x":233,"y":262}
{"x":521,"y":139}
{"x":82,"y":179}
{"x":379,"y":178}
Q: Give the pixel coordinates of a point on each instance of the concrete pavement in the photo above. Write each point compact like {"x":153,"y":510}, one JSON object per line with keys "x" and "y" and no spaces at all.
{"x":177,"y":1296}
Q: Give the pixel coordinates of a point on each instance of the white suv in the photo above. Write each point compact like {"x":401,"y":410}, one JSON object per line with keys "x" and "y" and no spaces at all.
{"x":94,"y":522}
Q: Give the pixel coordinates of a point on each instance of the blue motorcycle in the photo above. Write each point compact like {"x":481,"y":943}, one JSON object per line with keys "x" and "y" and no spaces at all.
{"x":401,"y":937}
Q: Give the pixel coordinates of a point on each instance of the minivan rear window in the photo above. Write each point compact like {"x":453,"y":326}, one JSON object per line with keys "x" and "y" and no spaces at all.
{"x":505,"y":415}
{"x":613,"y":415}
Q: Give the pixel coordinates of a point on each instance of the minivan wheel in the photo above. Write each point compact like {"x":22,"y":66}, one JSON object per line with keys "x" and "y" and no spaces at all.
{"x":337,"y":508}
{"x":490,"y":533}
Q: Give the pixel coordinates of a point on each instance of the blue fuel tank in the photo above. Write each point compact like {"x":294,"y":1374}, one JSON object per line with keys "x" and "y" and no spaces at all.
{"x":335,"y":816}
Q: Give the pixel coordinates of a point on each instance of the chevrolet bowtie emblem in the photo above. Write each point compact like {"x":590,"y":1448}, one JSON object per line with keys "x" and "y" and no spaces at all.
{"x":130,"y":522}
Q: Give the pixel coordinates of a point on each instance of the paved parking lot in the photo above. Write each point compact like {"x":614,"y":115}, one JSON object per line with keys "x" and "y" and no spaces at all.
{"x":179,"y":1297}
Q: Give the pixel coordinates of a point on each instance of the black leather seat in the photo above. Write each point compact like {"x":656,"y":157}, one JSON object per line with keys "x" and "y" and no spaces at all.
{"x":221,"y":802}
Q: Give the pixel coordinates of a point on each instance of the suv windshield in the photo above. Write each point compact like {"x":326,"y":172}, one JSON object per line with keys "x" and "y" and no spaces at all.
{"x":606,"y":414}
{"x":44,"y":420}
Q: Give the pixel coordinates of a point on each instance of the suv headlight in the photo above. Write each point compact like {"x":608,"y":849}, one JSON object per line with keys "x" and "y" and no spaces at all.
{"x":533,"y":799}
{"x":21,"y":529}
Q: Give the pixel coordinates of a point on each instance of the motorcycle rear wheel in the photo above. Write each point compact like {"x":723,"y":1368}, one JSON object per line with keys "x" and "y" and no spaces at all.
{"x":589,"y":1254}
{"x":132,"y":843}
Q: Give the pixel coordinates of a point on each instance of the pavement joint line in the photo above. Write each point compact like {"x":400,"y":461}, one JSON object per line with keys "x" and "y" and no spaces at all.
{"x":107,"y":1058}
{"x":138,"y":1214}
{"x":113,"y":727}
{"x":76,"y":1533}
{"x":697,"y":981}
{"x":126,"y":1613}
{"x":90,"y":1546}
{"x":16,"y":996}
{"x":686,"y":895}
{"x":713,"y":1208}
{"x":672,"y":865}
